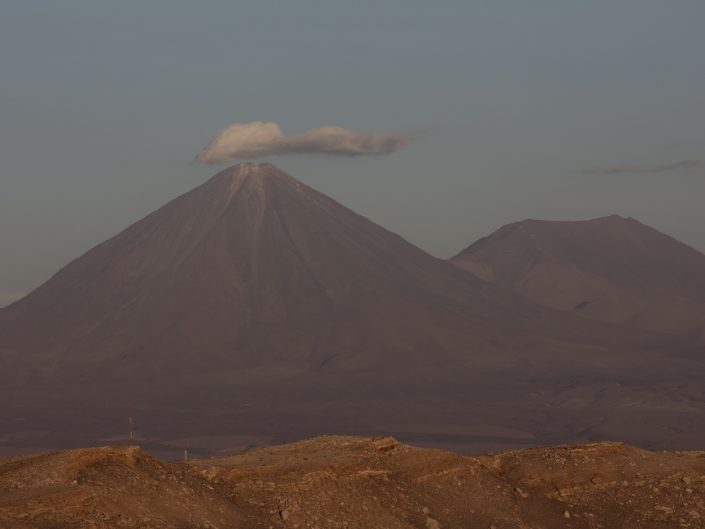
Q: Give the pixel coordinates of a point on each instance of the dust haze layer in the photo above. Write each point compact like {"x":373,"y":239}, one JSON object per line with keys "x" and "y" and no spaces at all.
{"x":254,"y":309}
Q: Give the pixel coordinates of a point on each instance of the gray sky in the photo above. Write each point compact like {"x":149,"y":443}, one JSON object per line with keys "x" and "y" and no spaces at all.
{"x":543,"y":109}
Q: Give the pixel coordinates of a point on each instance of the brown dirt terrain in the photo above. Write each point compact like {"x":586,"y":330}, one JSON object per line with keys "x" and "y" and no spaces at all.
{"x":353,"y":482}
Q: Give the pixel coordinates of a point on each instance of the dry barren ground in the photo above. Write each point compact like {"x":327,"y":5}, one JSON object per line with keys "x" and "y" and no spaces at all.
{"x":348,"y":482}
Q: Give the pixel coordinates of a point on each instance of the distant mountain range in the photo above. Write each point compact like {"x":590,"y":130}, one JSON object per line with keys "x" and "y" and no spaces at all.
{"x":254,"y":309}
{"x":612,"y":269}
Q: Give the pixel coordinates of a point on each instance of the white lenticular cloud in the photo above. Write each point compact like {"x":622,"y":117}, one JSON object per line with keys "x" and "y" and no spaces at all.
{"x":259,"y":138}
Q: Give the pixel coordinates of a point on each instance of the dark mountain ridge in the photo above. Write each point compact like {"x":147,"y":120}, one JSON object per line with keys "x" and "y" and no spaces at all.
{"x":612,"y":269}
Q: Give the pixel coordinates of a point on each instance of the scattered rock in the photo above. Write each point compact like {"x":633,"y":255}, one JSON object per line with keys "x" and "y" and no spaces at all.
{"x":432,"y":524}
{"x":385,"y":444}
{"x":521,"y":492}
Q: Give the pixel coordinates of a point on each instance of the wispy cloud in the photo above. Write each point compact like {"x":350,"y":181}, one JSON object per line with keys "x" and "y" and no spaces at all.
{"x":649,"y":169}
{"x":258,"y":139}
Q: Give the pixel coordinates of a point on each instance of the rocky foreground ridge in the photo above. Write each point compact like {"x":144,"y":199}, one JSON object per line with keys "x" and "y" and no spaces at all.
{"x":348,"y":482}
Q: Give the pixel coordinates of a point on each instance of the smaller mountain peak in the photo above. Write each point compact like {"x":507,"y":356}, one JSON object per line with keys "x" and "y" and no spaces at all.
{"x":616,"y":221}
{"x":607,"y":219}
{"x":611,"y":218}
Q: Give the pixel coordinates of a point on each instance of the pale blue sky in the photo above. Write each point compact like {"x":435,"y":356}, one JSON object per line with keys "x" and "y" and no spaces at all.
{"x":105,"y":104}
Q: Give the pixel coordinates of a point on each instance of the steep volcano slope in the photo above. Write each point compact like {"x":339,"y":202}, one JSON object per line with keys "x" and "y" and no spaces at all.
{"x":251,"y":268}
{"x":254,"y":309}
{"x":612,"y":269}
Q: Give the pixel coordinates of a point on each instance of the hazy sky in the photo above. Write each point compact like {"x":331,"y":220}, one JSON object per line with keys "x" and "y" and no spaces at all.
{"x":543,"y":109}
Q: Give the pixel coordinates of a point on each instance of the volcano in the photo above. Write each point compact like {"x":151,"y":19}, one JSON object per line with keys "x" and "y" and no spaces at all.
{"x":252,"y":268}
{"x":254,"y":309}
{"x":613,"y":269}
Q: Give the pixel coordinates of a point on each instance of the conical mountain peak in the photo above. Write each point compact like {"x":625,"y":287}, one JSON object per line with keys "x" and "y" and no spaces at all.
{"x":261,"y":179}
{"x":249,"y":171}
{"x":249,"y":267}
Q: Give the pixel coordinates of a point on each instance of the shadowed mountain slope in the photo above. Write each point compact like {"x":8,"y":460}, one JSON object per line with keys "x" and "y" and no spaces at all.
{"x":612,"y":269}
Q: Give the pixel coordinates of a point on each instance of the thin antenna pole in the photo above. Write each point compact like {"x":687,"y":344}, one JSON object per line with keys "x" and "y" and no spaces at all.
{"x":185,"y":455}
{"x":132,"y":434}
